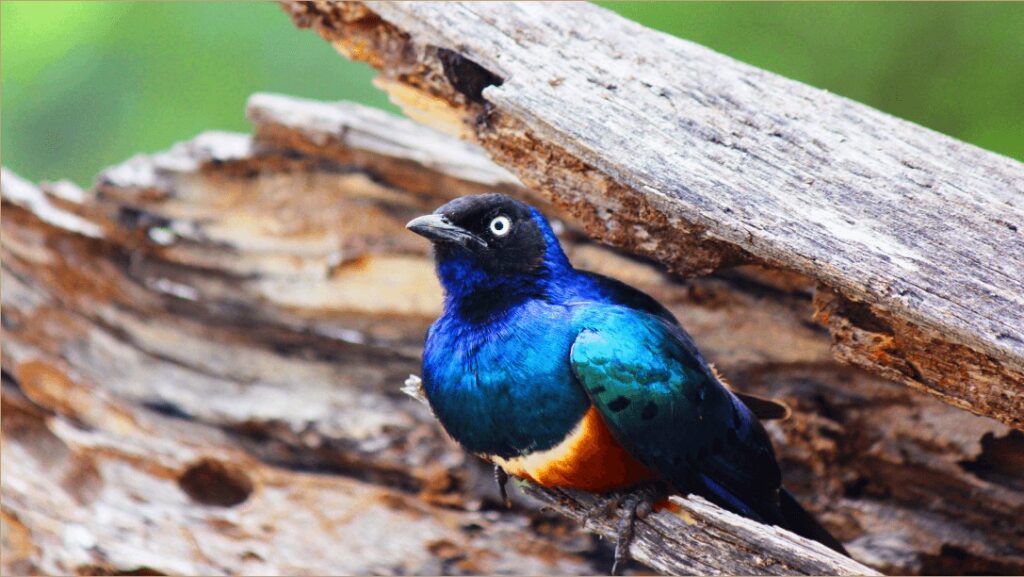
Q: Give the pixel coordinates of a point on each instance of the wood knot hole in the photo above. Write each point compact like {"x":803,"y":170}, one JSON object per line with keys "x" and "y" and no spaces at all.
{"x":214,"y":482}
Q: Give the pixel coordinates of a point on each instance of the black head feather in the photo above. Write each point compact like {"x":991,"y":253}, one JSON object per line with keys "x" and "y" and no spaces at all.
{"x":500,"y":234}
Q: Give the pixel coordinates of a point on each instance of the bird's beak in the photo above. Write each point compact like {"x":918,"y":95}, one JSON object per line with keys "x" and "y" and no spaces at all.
{"x":437,"y":228}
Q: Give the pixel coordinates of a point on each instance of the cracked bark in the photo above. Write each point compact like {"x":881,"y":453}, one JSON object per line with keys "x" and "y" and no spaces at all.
{"x":202,"y":356}
{"x":680,"y":154}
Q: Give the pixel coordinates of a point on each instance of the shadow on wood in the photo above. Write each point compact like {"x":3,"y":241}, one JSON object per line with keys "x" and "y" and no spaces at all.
{"x":203,"y":353}
{"x":680,"y":154}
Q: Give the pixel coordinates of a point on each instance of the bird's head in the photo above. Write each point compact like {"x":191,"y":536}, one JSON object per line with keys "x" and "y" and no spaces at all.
{"x":491,"y":242}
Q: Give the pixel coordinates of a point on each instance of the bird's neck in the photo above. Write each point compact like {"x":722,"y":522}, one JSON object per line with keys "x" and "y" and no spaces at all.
{"x":478,"y":294}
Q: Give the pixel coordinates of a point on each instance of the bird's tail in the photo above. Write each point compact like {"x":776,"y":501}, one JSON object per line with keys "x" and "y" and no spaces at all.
{"x":788,"y":514}
{"x":799,"y":521}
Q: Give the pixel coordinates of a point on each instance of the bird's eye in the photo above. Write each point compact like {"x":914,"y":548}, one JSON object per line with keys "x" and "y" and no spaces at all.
{"x":501,"y":225}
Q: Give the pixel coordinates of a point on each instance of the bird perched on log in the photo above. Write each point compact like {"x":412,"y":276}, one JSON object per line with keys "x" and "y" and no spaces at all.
{"x":572,"y":379}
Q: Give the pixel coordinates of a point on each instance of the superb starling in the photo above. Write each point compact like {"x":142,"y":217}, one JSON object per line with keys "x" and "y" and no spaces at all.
{"x":572,"y":379}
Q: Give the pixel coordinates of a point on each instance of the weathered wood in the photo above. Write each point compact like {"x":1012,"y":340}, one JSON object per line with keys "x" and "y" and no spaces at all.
{"x":137,"y":374}
{"x":108,"y":488}
{"x":686,"y":156}
{"x":702,"y":539}
{"x":698,"y":538}
{"x":259,"y":301}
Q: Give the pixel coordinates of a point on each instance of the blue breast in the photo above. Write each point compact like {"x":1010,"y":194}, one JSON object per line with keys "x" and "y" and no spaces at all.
{"x":505,"y":387}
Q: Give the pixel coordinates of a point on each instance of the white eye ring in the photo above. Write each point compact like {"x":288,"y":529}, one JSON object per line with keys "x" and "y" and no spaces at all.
{"x":501,"y":225}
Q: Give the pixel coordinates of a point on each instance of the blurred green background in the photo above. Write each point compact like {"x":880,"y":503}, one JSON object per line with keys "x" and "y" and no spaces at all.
{"x":86,"y":85}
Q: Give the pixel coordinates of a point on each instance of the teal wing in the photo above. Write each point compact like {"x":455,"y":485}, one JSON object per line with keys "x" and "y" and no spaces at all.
{"x":663,"y":403}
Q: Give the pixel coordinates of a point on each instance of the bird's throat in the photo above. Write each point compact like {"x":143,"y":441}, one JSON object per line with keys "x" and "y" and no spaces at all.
{"x":477,"y":295}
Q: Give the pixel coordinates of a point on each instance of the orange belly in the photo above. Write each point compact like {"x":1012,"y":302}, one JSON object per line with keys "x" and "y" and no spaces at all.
{"x":589,"y":459}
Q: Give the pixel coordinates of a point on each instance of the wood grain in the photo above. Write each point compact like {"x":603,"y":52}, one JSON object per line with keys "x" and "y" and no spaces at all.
{"x":697,"y":538}
{"x":677,"y":153}
{"x":244,"y":309}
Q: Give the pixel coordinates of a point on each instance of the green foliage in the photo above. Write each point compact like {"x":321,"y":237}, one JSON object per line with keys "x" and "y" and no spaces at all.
{"x":86,"y":85}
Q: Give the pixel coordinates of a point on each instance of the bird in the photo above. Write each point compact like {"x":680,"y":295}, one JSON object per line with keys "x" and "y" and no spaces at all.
{"x":571,"y":379}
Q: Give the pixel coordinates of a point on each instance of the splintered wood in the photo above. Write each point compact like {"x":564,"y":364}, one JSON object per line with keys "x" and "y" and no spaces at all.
{"x":700,"y":162}
{"x":202,"y":358}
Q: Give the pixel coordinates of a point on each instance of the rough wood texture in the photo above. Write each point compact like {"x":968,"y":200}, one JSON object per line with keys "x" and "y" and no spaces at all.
{"x":229,"y":322}
{"x":696,"y":160}
{"x":197,"y":382}
{"x":699,"y":538}
{"x":107,"y":488}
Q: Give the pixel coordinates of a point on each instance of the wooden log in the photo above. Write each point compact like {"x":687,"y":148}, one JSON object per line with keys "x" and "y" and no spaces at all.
{"x":707,"y":541}
{"x":107,"y":488}
{"x":698,"y":161}
{"x":259,"y":302}
{"x":136,"y":377}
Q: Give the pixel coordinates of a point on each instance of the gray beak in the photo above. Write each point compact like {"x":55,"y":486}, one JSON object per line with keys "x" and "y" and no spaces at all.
{"x":437,"y":228}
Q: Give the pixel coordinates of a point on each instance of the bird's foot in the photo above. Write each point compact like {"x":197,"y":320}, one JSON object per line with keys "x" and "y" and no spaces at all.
{"x":635,"y":505}
{"x":501,"y":478}
{"x":605,"y":509}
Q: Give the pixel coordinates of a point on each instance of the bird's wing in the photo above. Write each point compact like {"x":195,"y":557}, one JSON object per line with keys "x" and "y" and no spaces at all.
{"x":622,"y":294}
{"x":670,"y":412}
{"x":764,"y":408}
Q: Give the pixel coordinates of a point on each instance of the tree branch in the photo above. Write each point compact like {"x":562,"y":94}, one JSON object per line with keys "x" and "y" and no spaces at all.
{"x":698,"y":539}
{"x":700,"y":162}
{"x":254,"y":300}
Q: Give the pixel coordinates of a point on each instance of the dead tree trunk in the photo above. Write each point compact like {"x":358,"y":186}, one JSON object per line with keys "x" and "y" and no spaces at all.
{"x":202,"y":358}
{"x":675,"y":152}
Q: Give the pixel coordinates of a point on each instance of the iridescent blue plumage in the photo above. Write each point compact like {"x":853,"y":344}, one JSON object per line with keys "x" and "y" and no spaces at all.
{"x":499,"y":387}
{"x":666,"y":405}
{"x":512,"y":329}
{"x":527,"y":345}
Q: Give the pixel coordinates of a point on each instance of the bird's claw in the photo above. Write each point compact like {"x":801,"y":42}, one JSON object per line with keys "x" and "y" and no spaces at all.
{"x":624,"y":532}
{"x":604,"y":509}
{"x":636,"y":505}
{"x":501,"y":478}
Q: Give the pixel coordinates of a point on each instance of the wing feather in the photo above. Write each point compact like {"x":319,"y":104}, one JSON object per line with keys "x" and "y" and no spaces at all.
{"x":666,"y":407}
